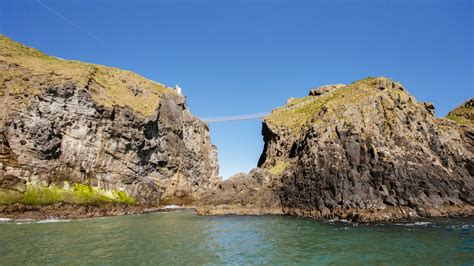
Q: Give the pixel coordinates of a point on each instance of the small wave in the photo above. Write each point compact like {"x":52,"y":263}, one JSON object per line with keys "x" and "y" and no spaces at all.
{"x":460,"y":227}
{"x":26,"y":221}
{"x":5,"y":220}
{"x":331,"y":221}
{"x":171,"y":207}
{"x":52,"y":221}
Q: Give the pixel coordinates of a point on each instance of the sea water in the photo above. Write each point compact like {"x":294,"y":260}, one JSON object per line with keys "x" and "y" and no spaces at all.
{"x":182,"y":237}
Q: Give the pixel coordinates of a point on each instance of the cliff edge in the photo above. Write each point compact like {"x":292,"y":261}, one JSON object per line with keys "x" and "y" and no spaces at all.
{"x":88,"y":134}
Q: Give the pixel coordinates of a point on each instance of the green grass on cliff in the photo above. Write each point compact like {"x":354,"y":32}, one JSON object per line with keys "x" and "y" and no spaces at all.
{"x":27,"y":71}
{"x":298,"y":112}
{"x":464,"y":114}
{"x":279,"y":167}
{"x":79,"y":193}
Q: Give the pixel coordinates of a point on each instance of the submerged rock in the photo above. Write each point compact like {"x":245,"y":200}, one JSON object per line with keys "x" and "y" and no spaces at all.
{"x":66,"y":122}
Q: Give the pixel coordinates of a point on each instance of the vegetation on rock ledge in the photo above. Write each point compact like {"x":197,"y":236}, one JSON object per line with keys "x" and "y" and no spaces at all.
{"x":25,"y":67}
{"x":79,"y":193}
{"x":464,"y":114}
{"x":298,"y":112}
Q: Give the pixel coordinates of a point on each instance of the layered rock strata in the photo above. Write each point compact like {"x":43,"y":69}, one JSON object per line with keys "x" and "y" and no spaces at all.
{"x":84,"y":133}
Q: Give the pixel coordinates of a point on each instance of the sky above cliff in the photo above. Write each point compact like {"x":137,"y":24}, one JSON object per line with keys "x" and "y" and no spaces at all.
{"x":239,"y":57}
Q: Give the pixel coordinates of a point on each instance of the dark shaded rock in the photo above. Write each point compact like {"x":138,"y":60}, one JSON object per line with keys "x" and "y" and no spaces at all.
{"x":250,"y":194}
{"x":12,"y":182}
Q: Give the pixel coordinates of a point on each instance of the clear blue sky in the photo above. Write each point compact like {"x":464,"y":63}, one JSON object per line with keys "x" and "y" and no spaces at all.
{"x":237,"y":57}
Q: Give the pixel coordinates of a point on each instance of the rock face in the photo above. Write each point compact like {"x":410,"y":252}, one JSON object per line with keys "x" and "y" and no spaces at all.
{"x":369,"y":151}
{"x":64,"y":123}
{"x":325,"y":89}
{"x":243,"y":194}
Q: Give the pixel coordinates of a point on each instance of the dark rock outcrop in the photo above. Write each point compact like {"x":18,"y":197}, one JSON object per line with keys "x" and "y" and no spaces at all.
{"x":366,"y":152}
{"x":369,"y":151}
{"x":243,"y":194}
{"x":64,"y":123}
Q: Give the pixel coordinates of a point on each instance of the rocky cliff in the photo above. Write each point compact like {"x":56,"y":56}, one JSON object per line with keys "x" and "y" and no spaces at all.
{"x":87,"y":134}
{"x":369,"y":151}
{"x":366,"y":151}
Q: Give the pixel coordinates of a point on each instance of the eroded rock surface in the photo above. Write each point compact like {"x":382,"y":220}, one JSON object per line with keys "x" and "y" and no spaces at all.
{"x":366,"y":152}
{"x":65,"y":122}
{"x":243,"y":194}
{"x":369,"y":151}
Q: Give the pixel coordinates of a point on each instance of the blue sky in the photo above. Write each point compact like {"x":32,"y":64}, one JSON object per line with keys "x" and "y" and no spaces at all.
{"x":239,"y":57}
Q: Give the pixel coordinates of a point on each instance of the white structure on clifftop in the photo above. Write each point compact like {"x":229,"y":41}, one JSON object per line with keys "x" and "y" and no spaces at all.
{"x":177,"y":88}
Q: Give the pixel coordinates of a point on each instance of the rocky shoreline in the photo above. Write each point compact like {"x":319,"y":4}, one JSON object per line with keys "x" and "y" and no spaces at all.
{"x":64,"y":210}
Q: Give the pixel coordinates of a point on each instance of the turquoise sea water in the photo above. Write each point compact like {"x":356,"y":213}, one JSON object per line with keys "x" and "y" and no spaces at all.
{"x":182,"y":237}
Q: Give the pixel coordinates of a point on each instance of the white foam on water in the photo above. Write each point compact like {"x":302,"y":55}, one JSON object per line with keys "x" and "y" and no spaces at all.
{"x":52,"y":221}
{"x":26,"y":221}
{"x":171,"y":207}
{"x":415,"y":224}
{"x":5,"y":220}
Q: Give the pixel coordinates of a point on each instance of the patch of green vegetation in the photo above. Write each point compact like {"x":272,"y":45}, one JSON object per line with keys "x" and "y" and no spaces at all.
{"x":80,"y":194}
{"x":279,"y":167}
{"x":33,"y":71}
{"x":464,"y":114}
{"x":121,"y":196}
{"x":87,"y":195}
{"x":43,"y":195}
{"x":166,"y":199}
{"x":298,"y":112}
{"x":10,"y":197}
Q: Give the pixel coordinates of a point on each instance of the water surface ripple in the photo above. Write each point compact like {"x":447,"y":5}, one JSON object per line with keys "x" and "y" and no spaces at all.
{"x":185,"y":238}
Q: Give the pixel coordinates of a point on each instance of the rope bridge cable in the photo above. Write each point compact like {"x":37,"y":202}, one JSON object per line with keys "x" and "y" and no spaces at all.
{"x":234,"y":117}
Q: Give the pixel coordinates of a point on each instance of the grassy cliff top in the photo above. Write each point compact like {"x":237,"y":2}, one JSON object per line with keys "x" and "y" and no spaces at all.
{"x":25,"y":70}
{"x":464,"y":114}
{"x":298,"y":112}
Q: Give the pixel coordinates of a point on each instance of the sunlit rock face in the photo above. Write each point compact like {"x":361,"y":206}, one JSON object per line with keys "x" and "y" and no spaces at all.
{"x":66,"y":122}
{"x":369,"y":151}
